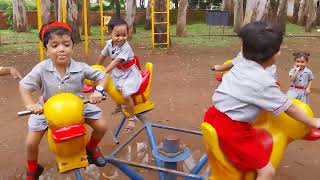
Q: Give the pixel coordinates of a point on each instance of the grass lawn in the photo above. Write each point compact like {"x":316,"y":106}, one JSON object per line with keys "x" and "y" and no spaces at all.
{"x":11,"y":41}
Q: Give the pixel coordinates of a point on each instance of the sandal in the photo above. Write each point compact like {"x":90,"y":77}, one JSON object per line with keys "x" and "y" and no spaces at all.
{"x":116,"y":110}
{"x":35,"y":175}
{"x":95,"y":157}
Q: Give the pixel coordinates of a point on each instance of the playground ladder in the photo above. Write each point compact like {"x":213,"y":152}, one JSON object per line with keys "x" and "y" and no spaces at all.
{"x":153,"y":23}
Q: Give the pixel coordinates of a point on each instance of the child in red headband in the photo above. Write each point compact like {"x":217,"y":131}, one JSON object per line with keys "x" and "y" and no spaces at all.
{"x":60,"y":73}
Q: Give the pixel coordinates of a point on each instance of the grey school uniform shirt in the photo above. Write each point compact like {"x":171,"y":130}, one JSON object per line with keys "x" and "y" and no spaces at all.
{"x":127,"y":81}
{"x":271,"y":69}
{"x":45,"y":77}
{"x":246,"y":90}
{"x":302,"y":80}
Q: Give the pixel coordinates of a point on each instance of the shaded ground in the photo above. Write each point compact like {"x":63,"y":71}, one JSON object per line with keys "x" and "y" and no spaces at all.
{"x":182,"y":89}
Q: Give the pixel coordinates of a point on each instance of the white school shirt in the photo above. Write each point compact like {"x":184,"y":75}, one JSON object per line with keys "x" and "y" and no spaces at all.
{"x":127,"y":81}
{"x":246,"y":90}
{"x":271,"y":69}
{"x":45,"y":77}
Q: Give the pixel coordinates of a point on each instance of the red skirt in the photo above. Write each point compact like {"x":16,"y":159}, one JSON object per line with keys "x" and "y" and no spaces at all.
{"x":246,"y":147}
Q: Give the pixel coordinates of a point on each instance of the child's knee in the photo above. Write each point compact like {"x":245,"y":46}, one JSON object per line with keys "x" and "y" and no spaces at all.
{"x":267,"y":172}
{"x":31,"y":144}
{"x":102,"y":125}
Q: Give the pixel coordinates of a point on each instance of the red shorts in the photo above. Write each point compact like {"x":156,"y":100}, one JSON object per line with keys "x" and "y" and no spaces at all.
{"x":246,"y":147}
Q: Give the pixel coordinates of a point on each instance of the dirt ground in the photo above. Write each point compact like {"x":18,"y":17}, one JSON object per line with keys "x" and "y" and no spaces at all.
{"x":182,"y":87}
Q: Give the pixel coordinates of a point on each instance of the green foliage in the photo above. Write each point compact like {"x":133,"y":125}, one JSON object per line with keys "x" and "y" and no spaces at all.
{"x":30,"y":5}
{"x":197,"y":36}
{"x":9,"y":17}
{"x":107,"y":5}
{"x":5,"y":4}
{"x":19,"y":42}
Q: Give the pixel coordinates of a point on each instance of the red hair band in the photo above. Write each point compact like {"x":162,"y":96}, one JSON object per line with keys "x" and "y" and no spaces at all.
{"x":45,"y":28}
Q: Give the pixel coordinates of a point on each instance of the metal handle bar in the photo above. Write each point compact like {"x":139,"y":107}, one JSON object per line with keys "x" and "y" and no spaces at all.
{"x":28,"y":112}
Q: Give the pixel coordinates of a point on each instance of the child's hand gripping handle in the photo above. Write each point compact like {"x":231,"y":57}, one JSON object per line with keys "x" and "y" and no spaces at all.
{"x":28,"y":112}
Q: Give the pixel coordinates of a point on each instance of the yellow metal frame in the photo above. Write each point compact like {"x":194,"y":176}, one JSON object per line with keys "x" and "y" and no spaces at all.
{"x":153,"y":23}
{"x":101,"y":24}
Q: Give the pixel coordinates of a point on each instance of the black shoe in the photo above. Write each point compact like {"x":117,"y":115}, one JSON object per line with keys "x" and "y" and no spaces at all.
{"x":98,"y":161}
{"x":36,"y":174}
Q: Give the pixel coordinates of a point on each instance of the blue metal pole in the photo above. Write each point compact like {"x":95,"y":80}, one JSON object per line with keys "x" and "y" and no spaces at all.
{"x":203,"y":160}
{"x":117,"y":131}
{"x":176,"y":129}
{"x":196,"y":169}
{"x":78,"y":174}
{"x":125,"y":169}
{"x":153,"y":146}
{"x":115,"y":152}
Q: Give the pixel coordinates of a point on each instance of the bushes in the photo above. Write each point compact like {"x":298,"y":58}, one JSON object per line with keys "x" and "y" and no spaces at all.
{"x":5,"y":4}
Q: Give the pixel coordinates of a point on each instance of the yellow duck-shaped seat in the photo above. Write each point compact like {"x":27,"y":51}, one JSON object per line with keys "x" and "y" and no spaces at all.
{"x":283,"y":130}
{"x":67,"y":135}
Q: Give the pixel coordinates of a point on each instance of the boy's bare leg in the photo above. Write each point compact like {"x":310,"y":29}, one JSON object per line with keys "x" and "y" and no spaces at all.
{"x":129,"y":107}
{"x":266,"y":173}
{"x":99,"y":128}
{"x":32,"y":144}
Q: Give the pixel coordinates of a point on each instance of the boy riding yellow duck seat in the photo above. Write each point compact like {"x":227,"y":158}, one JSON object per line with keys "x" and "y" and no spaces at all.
{"x":275,"y":131}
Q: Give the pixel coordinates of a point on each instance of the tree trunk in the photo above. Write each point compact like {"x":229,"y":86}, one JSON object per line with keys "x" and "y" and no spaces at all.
{"x":282,"y":14}
{"x":117,"y":4}
{"x":257,"y":10}
{"x":295,"y":11}
{"x":55,"y":9}
{"x":311,"y":16}
{"x":250,"y":11}
{"x":182,"y":18}
{"x":301,"y":13}
{"x":130,"y":15}
{"x":72,"y":19}
{"x":45,"y":11}
{"x":147,"y":24}
{"x":82,"y":22}
{"x":318,"y":13}
{"x":238,"y":15}
{"x":19,"y":16}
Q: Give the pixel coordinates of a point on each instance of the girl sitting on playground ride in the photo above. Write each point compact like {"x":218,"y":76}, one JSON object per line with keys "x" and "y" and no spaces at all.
{"x":60,"y":73}
{"x":243,"y":93}
{"x":124,"y":72}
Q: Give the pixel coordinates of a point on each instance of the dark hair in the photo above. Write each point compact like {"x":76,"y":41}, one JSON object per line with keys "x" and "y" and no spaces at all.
{"x":56,"y":30}
{"x":116,"y":22}
{"x":260,"y":40}
{"x":301,"y":54}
